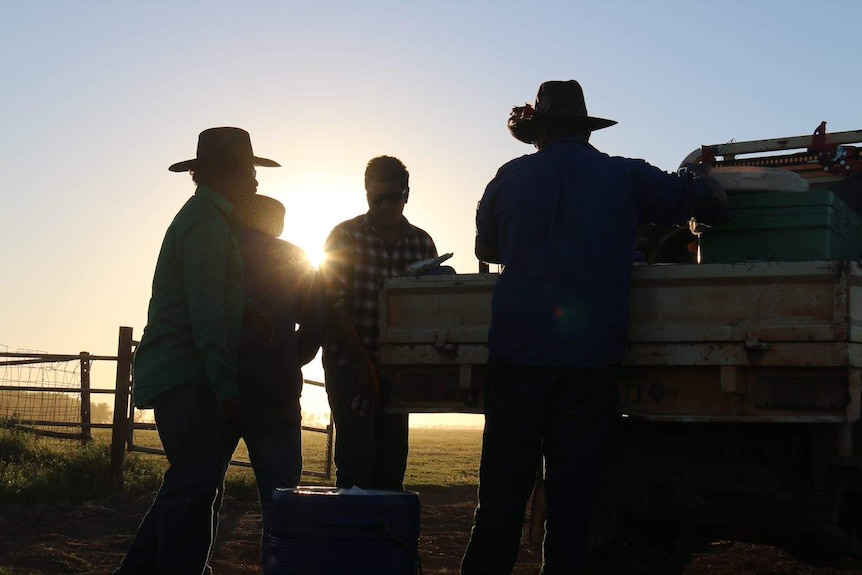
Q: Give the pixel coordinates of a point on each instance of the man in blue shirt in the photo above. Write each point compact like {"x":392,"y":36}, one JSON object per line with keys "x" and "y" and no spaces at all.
{"x":562,"y":222}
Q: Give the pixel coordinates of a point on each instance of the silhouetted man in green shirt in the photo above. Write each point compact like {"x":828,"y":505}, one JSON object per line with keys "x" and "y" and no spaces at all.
{"x":185,"y":365}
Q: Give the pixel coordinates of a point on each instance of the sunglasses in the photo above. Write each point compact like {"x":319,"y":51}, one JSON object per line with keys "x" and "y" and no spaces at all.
{"x":392,"y":198}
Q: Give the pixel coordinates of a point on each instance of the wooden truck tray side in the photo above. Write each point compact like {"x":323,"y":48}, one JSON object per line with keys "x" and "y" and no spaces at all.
{"x":715,"y":342}
{"x":433,"y":341}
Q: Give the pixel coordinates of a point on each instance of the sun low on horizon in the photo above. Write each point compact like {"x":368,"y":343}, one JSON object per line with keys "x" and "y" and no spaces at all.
{"x":316,"y":255}
{"x":314,"y":204}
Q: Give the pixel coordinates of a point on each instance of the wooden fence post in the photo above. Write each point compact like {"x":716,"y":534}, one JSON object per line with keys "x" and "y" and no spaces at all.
{"x":328,"y":466}
{"x":119,"y":430}
{"x":86,"y":427}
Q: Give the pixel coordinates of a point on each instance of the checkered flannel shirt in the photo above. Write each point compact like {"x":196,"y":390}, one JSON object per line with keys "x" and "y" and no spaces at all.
{"x":357,"y":262}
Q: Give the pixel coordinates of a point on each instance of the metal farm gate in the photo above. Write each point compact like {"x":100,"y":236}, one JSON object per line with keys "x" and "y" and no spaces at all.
{"x":126,"y":423}
{"x":50,"y":395}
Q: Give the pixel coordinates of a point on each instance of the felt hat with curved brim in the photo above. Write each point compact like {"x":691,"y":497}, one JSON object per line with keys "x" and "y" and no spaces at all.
{"x":557,"y":102}
{"x":224,"y":145}
{"x":263,"y":213}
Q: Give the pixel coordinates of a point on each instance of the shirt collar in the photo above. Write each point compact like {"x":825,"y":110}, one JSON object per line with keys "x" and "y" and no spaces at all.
{"x":219,"y":200}
{"x":406,"y":229}
{"x":569,"y":140}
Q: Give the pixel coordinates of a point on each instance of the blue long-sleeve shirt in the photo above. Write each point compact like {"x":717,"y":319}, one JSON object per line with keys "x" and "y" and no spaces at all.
{"x":563,"y":223}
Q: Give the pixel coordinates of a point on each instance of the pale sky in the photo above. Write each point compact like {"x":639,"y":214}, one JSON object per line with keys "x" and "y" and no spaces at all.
{"x":100,"y":97}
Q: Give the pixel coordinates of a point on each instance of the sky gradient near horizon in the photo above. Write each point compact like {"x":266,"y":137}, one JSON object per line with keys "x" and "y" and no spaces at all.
{"x":100,"y":97}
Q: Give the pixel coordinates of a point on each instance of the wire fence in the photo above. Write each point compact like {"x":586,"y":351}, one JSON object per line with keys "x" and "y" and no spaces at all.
{"x":50,"y":395}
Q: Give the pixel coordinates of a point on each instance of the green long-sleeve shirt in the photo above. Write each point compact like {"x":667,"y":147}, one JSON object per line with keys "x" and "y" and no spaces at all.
{"x":195,"y":314}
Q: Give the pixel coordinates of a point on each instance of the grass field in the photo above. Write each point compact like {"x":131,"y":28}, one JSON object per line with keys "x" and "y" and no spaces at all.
{"x":438,"y":456}
{"x":42,"y":469}
{"x":441,"y":456}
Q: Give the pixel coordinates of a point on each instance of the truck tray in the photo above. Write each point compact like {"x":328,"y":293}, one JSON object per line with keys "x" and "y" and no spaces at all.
{"x":777,"y":301}
{"x":751,"y":341}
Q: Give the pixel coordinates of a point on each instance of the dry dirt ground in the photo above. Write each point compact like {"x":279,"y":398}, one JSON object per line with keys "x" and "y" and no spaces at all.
{"x":91,"y":539}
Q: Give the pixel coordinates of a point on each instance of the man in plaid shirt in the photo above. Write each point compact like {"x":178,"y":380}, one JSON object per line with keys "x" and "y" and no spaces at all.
{"x":370,"y":447}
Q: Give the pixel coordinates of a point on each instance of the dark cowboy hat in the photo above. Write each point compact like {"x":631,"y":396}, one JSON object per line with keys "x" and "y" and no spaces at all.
{"x":263,"y":213}
{"x":220,"y":144}
{"x":558,"y":102}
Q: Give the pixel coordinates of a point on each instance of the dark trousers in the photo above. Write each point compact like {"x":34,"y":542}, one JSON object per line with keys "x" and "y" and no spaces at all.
{"x":370,"y":452}
{"x":177,"y":533}
{"x":273,"y":436}
{"x":564,"y":415}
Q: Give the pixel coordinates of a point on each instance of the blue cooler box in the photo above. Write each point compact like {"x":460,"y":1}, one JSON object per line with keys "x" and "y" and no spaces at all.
{"x":328,"y":531}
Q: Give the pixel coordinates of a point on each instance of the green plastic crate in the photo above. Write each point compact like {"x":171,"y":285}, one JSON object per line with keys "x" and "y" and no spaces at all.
{"x":784,"y":226}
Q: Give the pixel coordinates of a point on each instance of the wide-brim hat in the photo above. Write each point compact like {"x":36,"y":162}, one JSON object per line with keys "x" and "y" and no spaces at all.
{"x":224,"y":145}
{"x":557,"y":102}
{"x":263,"y":213}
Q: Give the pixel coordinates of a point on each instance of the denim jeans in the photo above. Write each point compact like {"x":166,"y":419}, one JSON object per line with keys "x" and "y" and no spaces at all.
{"x":370,"y":452}
{"x":177,"y":533}
{"x":273,"y":436}
{"x":564,"y":415}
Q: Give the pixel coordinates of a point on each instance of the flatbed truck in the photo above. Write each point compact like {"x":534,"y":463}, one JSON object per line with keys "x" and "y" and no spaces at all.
{"x":741,"y":389}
